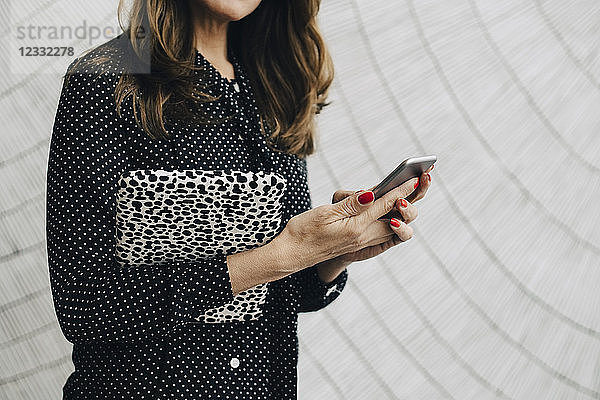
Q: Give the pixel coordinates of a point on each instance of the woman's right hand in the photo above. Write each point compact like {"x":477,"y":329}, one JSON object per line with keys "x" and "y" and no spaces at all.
{"x":328,"y":231}
{"x":320,"y":234}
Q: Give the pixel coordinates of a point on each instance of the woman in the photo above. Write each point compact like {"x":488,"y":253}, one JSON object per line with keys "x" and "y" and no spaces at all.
{"x":180,"y":235}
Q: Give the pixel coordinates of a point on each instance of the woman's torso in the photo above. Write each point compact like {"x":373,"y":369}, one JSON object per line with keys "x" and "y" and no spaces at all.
{"x":238,"y":359}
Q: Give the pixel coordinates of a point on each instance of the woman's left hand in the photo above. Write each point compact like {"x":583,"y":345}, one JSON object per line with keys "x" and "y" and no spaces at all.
{"x":403,"y":210}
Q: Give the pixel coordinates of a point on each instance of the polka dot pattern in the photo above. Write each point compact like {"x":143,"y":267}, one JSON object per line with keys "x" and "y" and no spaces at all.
{"x":133,"y":329}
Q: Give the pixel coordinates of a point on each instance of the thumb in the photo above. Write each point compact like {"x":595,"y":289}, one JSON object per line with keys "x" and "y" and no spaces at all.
{"x":342,"y":194}
{"x":354,"y":204}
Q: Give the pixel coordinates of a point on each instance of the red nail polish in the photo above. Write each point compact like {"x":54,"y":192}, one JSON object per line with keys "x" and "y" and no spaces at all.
{"x":429,"y":177}
{"x":403,"y":203}
{"x":394,"y":222}
{"x":366,"y":198}
{"x":416,"y":184}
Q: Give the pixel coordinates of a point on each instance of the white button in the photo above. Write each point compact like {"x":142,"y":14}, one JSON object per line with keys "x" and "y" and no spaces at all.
{"x":234,"y":362}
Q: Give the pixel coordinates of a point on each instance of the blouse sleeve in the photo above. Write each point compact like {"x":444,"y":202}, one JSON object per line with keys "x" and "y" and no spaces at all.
{"x":316,"y":294}
{"x":95,"y":298}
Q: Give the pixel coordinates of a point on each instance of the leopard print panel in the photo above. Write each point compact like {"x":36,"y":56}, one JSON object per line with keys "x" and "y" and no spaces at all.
{"x":189,"y":215}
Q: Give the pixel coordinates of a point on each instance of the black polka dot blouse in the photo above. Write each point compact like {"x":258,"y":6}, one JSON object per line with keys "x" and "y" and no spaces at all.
{"x":138,"y":231}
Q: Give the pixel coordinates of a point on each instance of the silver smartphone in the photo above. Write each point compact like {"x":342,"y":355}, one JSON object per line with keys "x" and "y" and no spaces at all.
{"x":409,"y":168}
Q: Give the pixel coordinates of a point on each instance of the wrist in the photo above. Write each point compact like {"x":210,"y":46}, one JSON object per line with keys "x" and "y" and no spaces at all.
{"x":261,"y":264}
{"x":289,"y":255}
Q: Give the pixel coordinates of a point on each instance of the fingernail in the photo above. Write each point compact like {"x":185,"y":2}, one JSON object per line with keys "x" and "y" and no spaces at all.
{"x":366,"y":198}
{"x":395,"y":223}
{"x":403,"y":203}
{"x":432,"y":167}
{"x":416,"y":184}
{"x":429,"y":177}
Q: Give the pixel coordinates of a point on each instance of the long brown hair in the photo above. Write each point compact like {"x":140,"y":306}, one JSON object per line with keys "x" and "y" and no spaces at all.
{"x":279,"y":45}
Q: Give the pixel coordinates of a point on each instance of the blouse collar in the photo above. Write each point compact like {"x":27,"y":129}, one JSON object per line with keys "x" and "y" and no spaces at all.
{"x":245,"y":95}
{"x":214,"y":76}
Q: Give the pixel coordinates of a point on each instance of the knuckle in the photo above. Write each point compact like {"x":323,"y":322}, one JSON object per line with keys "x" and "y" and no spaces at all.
{"x":408,"y":187}
{"x":404,"y":232}
{"x":338,"y":195}
{"x":348,"y":206}
{"x":414,"y":213}
{"x":321,"y":211}
{"x":401,"y":191}
{"x":389,"y":203}
{"x":321,"y":214}
{"x":408,"y":233}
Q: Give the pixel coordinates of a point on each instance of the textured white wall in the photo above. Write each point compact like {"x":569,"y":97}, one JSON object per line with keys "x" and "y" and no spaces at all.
{"x":496,"y":296}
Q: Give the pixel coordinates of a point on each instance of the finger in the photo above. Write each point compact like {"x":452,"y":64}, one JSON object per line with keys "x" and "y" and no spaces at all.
{"x":380,"y":240}
{"x":396,"y":240}
{"x":393,"y":241}
{"x":353,"y":205}
{"x":392,"y":214}
{"x":402,"y":230}
{"x":340,"y":195}
{"x":379,"y":248}
{"x":386,"y":203}
{"x":375,"y":233}
{"x":408,"y":212}
{"x":421,"y":190}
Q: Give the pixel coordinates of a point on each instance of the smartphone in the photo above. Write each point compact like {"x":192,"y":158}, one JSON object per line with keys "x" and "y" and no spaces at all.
{"x":409,"y":168}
